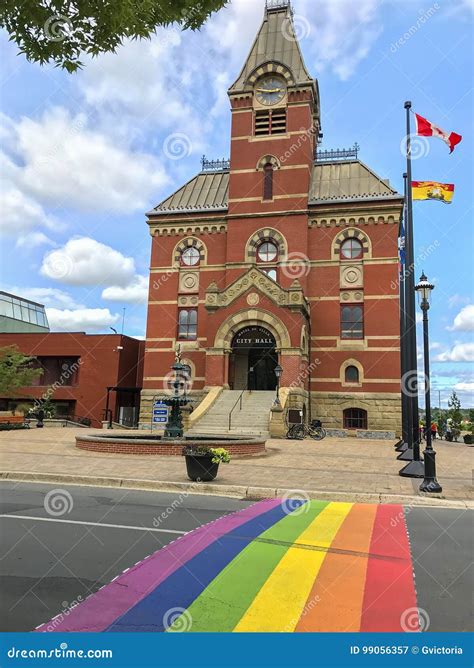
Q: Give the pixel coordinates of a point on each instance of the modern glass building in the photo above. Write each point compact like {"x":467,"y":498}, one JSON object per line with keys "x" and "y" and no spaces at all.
{"x":19,"y":315}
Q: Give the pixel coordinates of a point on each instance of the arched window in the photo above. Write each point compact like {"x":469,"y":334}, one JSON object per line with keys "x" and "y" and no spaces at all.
{"x":268,"y":181}
{"x":351,"y":374}
{"x":351,"y":249}
{"x":352,"y":322}
{"x":190,"y":257}
{"x":267,"y":258}
{"x":355,"y":418}
{"x":187,"y":323}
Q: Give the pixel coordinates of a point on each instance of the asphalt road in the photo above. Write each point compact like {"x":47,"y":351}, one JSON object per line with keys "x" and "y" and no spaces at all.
{"x":48,"y":561}
{"x":60,"y":546}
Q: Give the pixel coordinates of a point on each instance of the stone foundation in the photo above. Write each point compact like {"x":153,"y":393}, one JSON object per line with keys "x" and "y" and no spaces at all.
{"x":384,"y":411}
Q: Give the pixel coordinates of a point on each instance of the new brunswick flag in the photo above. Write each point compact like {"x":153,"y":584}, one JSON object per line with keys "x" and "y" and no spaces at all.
{"x":443,"y":192}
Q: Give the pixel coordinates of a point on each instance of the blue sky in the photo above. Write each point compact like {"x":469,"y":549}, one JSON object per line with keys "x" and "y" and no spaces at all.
{"x":84,"y":156}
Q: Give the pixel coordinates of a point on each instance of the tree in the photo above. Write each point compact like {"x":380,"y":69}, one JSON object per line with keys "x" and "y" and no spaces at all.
{"x":60,"y":31}
{"x":455,"y":415}
{"x":16,"y":371}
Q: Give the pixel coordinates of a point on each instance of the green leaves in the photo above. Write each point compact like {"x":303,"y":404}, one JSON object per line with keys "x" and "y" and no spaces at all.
{"x":16,"y":371}
{"x":61,"y":31}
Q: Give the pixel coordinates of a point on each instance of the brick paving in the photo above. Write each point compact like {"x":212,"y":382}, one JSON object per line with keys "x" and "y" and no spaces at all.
{"x":333,"y":465}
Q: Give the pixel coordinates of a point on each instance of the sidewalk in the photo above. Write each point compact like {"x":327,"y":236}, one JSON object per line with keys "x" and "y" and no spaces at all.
{"x":340,"y":469}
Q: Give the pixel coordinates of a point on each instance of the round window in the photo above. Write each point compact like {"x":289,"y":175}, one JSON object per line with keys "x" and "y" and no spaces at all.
{"x":267,"y":252}
{"x":351,"y":249}
{"x":190,"y":256}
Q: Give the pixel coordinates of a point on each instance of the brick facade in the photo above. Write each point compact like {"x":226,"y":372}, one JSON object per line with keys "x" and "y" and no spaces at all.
{"x":315,"y":208}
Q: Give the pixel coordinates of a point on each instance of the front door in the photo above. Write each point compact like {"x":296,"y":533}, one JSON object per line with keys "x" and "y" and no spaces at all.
{"x":253,"y":360}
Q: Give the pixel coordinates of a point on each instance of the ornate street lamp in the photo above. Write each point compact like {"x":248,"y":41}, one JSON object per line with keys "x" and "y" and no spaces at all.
{"x":278,"y":371}
{"x":429,"y":484}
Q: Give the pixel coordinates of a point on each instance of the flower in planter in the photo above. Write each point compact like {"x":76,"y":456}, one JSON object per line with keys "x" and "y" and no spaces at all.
{"x":219,"y":455}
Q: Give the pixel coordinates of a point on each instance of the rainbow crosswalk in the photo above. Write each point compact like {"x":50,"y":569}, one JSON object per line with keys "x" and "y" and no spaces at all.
{"x":303,"y":566}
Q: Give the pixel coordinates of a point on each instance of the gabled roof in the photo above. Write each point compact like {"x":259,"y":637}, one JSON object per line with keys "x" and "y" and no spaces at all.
{"x":338,"y":181}
{"x":276,"y":41}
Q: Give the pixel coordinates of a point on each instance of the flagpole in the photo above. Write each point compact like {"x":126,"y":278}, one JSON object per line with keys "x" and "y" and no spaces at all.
{"x":414,"y":468}
{"x":403,"y":338}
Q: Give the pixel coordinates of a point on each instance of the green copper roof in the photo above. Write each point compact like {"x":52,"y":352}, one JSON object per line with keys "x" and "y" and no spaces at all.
{"x":338,"y":181}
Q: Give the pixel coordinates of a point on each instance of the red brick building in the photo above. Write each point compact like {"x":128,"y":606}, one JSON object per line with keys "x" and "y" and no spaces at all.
{"x":78,"y":369}
{"x":282,"y":255}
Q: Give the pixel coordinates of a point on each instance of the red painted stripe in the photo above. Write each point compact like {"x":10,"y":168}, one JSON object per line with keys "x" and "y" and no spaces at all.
{"x":389,"y":585}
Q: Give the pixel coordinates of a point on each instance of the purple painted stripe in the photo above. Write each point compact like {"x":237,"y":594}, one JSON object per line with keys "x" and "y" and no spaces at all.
{"x":100,"y":610}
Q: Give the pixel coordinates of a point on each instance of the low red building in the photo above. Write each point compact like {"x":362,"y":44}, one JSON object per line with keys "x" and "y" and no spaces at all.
{"x":83,"y":374}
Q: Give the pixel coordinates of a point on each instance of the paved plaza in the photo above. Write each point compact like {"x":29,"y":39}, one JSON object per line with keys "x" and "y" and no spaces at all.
{"x":338,"y":466}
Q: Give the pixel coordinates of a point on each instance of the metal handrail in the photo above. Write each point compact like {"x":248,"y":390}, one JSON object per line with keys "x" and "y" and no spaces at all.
{"x":239,"y":401}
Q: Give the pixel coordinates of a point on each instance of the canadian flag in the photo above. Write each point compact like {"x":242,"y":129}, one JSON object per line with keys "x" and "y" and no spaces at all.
{"x":427,"y":129}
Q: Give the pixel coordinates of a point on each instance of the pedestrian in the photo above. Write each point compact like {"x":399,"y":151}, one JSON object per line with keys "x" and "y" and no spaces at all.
{"x":434,"y":430}
{"x":449,"y":433}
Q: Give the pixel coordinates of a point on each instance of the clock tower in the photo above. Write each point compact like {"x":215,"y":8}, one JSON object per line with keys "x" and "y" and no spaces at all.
{"x":275,"y":120}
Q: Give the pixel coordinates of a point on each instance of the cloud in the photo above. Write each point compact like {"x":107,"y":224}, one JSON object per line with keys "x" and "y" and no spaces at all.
{"x":135,"y":293}
{"x":84,"y":261}
{"x":157,"y":83}
{"x":461,"y":352}
{"x":20,"y":213}
{"x":464,"y":387}
{"x":46,"y":296}
{"x":342,"y":34}
{"x":457,"y":300}
{"x":464,"y":321}
{"x":83,"y":319}
{"x":61,"y":161}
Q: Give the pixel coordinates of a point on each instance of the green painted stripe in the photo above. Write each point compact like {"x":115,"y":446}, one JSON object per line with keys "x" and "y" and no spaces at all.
{"x":226,"y":599}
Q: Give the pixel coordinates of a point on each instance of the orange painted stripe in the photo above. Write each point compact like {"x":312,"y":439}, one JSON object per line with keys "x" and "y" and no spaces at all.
{"x":335,"y":601}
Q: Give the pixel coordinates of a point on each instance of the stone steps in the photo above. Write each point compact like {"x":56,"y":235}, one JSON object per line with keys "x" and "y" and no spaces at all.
{"x":255,"y":413}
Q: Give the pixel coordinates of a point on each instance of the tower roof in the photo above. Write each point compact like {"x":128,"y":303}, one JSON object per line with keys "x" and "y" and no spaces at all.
{"x":275,"y":42}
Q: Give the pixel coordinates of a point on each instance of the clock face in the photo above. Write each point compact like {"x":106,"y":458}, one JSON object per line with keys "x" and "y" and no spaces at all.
{"x":270,"y":90}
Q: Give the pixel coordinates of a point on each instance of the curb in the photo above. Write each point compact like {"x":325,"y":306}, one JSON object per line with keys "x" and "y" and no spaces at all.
{"x":236,"y":491}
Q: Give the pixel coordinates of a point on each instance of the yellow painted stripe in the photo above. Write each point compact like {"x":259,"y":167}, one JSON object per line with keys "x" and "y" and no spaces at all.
{"x":280,"y":602}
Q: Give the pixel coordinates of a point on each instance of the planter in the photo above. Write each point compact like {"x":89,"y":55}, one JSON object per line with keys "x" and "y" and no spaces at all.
{"x":200,"y":468}
{"x":468,"y":439}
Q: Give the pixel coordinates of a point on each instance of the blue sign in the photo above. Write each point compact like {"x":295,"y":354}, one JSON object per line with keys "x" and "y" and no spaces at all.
{"x":160,"y":412}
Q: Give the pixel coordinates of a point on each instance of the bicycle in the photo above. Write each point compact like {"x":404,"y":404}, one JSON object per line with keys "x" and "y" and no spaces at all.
{"x":300,"y":431}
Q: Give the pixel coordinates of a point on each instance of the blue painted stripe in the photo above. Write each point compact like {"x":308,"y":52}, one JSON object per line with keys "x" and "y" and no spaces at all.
{"x":188,"y":582}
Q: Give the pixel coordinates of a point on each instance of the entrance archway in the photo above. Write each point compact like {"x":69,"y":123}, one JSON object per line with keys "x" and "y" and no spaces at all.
{"x":253,"y":359}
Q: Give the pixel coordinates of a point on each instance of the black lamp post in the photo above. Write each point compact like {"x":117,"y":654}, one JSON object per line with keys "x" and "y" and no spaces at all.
{"x":278,"y":371}
{"x":429,"y":484}
{"x":174,"y":428}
